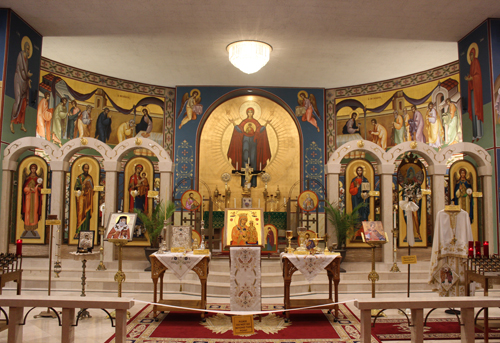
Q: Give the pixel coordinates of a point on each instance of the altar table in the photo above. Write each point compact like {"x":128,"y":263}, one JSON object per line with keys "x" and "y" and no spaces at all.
{"x":197,"y":263}
{"x":310,"y":266}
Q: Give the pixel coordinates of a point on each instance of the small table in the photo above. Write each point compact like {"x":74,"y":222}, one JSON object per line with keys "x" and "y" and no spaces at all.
{"x":333,"y":271}
{"x":485,"y":279}
{"x":83,"y":257}
{"x":158,"y":271}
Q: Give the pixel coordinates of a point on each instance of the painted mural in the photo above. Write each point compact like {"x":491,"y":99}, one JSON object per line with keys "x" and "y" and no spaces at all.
{"x":429,"y":113}
{"x":75,"y":103}
{"x":495,"y":62}
{"x":425,"y":107}
{"x":276,"y":131}
{"x":475,"y":79}
{"x":22,"y":73}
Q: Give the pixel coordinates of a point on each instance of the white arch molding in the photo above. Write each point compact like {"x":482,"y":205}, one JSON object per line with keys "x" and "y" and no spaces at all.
{"x":385,"y":162}
{"x":59,"y":165}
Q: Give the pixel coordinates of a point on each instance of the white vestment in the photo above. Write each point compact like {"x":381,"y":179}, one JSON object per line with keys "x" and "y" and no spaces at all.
{"x":452,"y":233}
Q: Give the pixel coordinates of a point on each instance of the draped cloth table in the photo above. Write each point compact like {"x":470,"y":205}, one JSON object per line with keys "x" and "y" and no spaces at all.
{"x":180,"y":265}
{"x":310,"y":266}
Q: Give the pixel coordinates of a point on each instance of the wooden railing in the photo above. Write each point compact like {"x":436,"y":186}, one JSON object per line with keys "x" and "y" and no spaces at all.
{"x":17,"y":304}
{"x":417,"y":306}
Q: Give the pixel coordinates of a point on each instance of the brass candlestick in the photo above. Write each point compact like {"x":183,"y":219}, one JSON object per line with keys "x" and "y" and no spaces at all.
{"x":101,"y":265}
{"x":289,"y":236}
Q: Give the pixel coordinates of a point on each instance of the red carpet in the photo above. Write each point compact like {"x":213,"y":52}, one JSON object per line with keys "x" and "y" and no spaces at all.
{"x":305,"y":326}
{"x":435,"y":329}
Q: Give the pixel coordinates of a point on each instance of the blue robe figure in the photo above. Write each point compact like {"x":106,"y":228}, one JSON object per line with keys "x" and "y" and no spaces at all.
{"x":103,"y":126}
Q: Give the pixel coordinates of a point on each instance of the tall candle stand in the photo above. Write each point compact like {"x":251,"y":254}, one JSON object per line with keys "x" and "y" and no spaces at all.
{"x":395,"y":233}
{"x":101,"y":265}
{"x":120,"y":275}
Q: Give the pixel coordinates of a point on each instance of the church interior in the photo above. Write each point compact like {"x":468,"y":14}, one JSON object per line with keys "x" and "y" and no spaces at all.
{"x":186,"y":171}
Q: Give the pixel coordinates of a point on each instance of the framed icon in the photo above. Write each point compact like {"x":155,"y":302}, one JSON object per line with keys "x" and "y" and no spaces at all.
{"x":191,"y":200}
{"x":374,"y":231}
{"x":243,"y":227}
{"x":121,"y":226}
{"x":86,"y":241}
{"x":308,"y":201}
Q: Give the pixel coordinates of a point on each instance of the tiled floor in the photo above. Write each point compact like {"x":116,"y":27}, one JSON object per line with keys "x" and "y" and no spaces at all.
{"x":98,"y":328}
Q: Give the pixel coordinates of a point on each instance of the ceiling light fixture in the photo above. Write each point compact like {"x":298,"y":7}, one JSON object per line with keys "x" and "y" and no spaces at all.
{"x":249,"y":56}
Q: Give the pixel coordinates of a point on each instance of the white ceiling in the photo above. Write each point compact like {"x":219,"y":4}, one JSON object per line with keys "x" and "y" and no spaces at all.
{"x":317,"y":43}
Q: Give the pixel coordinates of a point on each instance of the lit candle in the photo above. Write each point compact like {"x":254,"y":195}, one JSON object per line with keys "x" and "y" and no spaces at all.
{"x":471,"y":249}
{"x":486,"y":249}
{"x":19,"y":247}
{"x":249,"y":160}
{"x":478,"y":249}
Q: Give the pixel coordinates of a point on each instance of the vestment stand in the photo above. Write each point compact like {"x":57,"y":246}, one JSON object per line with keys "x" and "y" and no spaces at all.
{"x":373,"y":275}
{"x":120,"y":275}
{"x":49,"y":313}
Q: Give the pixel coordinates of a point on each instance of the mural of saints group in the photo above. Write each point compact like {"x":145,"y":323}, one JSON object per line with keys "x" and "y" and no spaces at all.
{"x":64,"y":113}
{"x":433,"y":117}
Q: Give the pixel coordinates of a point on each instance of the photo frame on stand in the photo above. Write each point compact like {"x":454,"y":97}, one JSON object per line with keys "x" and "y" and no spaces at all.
{"x":121,"y":226}
{"x":86,"y":241}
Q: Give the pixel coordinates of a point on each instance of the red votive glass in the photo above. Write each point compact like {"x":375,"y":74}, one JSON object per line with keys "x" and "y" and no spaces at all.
{"x":478,"y":249}
{"x":486,"y":249}
{"x":19,"y":247}
{"x":471,"y":249}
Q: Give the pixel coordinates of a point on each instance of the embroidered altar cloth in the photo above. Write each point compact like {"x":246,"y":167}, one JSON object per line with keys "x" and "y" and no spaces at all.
{"x":310,"y":265}
{"x":452,"y":234}
{"x":180,"y":263}
{"x":245,"y":282}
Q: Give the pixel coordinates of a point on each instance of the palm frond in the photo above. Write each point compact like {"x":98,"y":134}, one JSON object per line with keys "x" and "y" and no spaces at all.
{"x":345,"y":224}
{"x":155,"y":221}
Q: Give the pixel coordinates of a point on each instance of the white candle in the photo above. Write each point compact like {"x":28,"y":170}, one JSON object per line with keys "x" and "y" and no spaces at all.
{"x":102,"y":221}
{"x":236,"y":165}
{"x":234,"y":202}
{"x":259,"y":203}
{"x":260,"y":166}
{"x":394,"y":219}
{"x":249,"y":160}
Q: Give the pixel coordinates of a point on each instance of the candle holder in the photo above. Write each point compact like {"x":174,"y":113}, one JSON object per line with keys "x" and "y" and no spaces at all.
{"x":101,"y":265}
{"x":289,"y":236}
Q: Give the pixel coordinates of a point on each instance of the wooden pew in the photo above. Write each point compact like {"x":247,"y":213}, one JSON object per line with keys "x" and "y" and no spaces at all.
{"x":417,"y":305}
{"x":68,"y":304}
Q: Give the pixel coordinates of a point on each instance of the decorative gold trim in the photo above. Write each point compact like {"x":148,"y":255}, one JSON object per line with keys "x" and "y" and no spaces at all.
{"x":84,"y":141}
{"x":138,"y":141}
{"x":361,"y":144}
{"x":413,"y":145}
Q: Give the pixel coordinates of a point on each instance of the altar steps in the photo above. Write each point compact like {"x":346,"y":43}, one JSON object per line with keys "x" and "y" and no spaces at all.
{"x":355,"y":280}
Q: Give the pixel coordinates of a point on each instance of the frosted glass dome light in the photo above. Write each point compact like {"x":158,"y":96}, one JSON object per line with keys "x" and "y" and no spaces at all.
{"x":249,"y":56}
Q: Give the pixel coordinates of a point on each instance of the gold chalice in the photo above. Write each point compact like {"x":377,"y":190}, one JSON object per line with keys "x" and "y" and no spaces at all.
{"x":289,"y":236}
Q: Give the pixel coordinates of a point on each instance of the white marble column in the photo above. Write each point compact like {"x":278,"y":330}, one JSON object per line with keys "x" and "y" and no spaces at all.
{"x":332,"y":182}
{"x":488,"y":210}
{"x":386,"y":211}
{"x":111,"y":192}
{"x":7,"y":176}
{"x":437,"y":173}
{"x":57,"y":202}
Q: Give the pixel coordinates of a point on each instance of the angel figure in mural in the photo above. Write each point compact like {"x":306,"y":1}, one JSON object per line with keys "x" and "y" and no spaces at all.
{"x":31,"y":210}
{"x":43,"y":118}
{"x":379,"y":134}
{"x":191,"y":104}
{"x":60,"y":113}
{"x":307,"y":108}
{"x":462,"y":192}
{"x":451,"y":124}
{"x":475,"y":87}
{"x":434,"y":127}
{"x":22,"y":84}
{"x":249,"y":142}
{"x":84,"y":191}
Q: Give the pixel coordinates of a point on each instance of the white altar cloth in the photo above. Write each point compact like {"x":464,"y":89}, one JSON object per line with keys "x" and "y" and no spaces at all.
{"x":179,"y":263}
{"x":310,"y":265}
{"x":245,"y":283}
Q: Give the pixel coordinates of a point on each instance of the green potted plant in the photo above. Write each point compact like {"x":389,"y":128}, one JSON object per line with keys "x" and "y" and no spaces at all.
{"x":345,"y":224}
{"x":154,"y":223}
